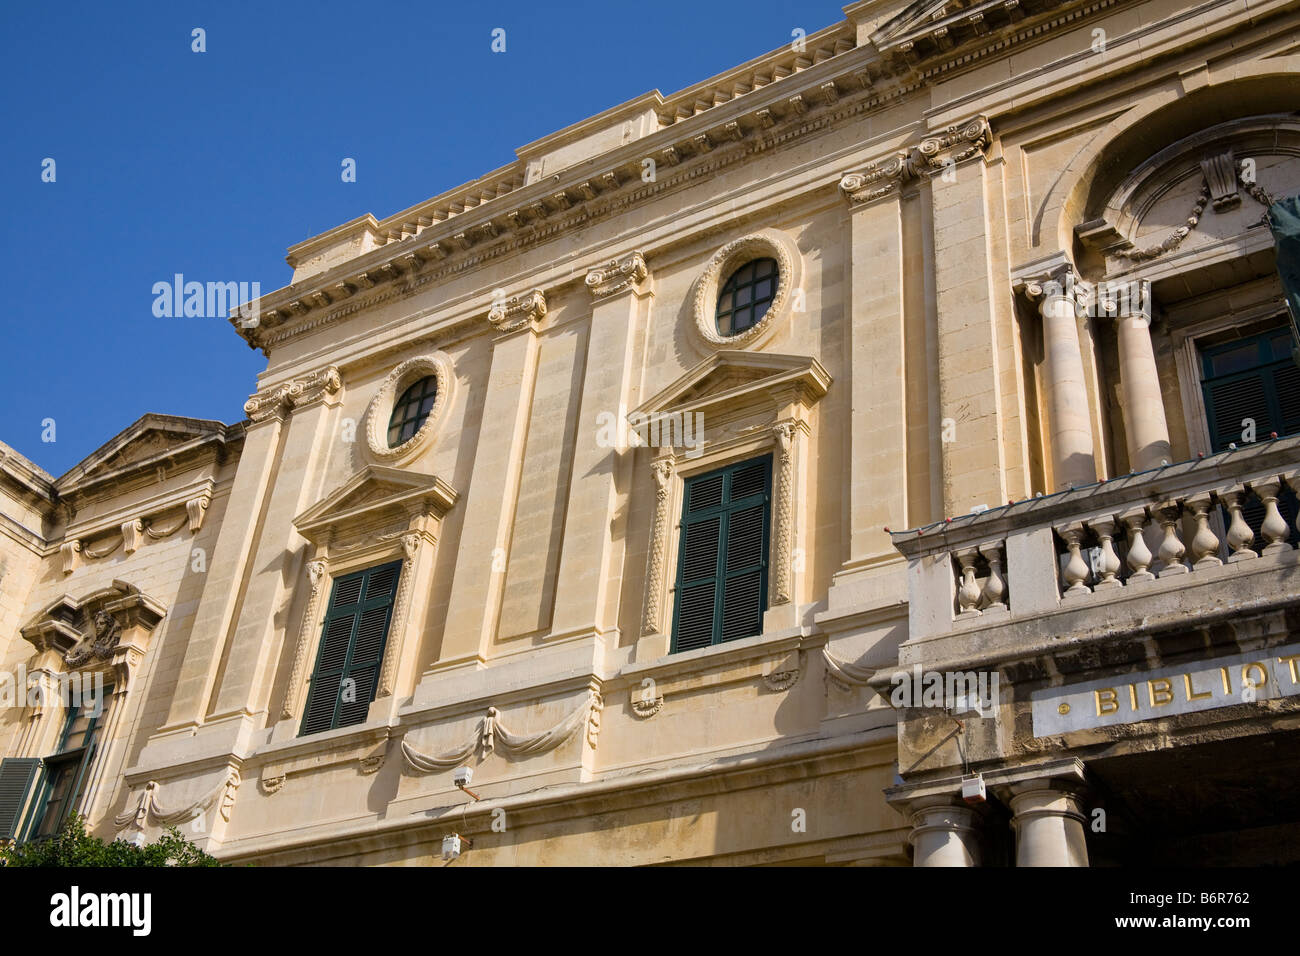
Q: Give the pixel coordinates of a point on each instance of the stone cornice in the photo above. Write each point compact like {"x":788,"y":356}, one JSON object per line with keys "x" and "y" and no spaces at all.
{"x":502,"y":213}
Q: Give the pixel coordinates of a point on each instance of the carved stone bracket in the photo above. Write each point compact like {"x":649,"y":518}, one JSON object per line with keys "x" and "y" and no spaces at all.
{"x":618,"y":276}
{"x":645,"y":709}
{"x":277,"y":402}
{"x":518,"y":311}
{"x":845,"y":674}
{"x":932,"y":154}
{"x":782,"y":675}
{"x":70,"y":552}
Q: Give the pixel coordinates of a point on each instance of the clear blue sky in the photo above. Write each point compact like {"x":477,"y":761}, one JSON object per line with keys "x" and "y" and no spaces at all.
{"x":213,"y":164}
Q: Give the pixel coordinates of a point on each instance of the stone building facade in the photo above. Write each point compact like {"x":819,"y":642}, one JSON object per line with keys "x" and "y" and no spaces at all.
{"x":592,"y":476}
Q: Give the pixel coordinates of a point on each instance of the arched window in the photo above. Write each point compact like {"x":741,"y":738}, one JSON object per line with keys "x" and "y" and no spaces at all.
{"x":411,"y":410}
{"x":746,"y":296}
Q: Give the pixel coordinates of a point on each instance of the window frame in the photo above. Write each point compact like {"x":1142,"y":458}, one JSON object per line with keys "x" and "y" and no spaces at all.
{"x":348,"y":665}
{"x":721,"y":573}
{"x":773,"y":278}
{"x":76,"y":761}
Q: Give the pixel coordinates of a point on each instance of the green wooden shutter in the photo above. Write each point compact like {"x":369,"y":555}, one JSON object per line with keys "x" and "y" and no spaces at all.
{"x":18,"y":777}
{"x":352,"y":648}
{"x":722,"y":567}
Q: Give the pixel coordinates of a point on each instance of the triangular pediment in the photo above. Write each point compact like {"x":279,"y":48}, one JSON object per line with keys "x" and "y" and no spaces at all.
{"x":151,"y":439}
{"x":373,"y":491}
{"x":734,"y":377}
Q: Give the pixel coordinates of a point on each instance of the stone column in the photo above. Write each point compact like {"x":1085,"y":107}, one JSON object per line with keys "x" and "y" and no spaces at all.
{"x":1070,"y":427}
{"x":944,"y":832}
{"x":1048,"y":821}
{"x":592,"y":555}
{"x":1144,"y":407}
{"x":475,"y":602}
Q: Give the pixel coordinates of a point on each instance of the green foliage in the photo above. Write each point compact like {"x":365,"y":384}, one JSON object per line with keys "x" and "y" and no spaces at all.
{"x":75,"y":847}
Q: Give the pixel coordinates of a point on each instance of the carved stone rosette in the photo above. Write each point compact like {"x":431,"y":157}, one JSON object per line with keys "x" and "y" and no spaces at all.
{"x":316,"y":569}
{"x":783,"y":536}
{"x":518,"y":311}
{"x":662,"y":470}
{"x":617,"y":276}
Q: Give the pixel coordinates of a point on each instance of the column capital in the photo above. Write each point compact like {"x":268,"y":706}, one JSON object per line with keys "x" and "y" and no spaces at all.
{"x":619,"y":275}
{"x":517,"y":312}
{"x":878,"y":180}
{"x":277,"y":402}
{"x":935,"y":152}
{"x":1125,"y":300}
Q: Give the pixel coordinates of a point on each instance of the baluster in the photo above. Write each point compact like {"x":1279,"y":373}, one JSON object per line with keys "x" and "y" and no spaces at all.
{"x":1274,"y":529}
{"x":1139,"y":555}
{"x":1076,"y":569}
{"x":1205,"y":544}
{"x":1240,"y":537}
{"x":1108,"y":564}
{"x":968,"y":593}
{"x":1172,"y":549}
{"x":995,"y":588}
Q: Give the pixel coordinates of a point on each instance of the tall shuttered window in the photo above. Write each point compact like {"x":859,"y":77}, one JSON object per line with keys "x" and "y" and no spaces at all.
{"x":722,"y":568}
{"x":351,"y":649}
{"x":1253,"y":381}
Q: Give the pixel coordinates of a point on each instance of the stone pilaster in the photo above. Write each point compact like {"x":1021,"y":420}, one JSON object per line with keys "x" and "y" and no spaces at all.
{"x":592,"y":558}
{"x":474,"y":607}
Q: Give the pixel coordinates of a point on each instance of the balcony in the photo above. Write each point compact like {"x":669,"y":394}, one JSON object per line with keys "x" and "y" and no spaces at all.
{"x":1198,"y":539}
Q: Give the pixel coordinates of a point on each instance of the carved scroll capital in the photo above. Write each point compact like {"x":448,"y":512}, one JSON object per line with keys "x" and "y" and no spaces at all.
{"x":618,"y":276}
{"x":527,"y":309}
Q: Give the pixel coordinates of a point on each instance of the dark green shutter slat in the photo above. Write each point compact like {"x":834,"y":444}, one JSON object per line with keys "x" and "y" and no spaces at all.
{"x":750,"y":480}
{"x":705,"y":493}
{"x":1286,"y":385}
{"x":1234,"y":400}
{"x":369,"y":642}
{"x":362,"y":692}
{"x":346,"y":591}
{"x":745,"y":538}
{"x":334,"y":645}
{"x":321,"y":703}
{"x":381,"y":583}
{"x":742,"y":612}
{"x":700,"y":555}
{"x":17,"y":781}
{"x":695,"y":617}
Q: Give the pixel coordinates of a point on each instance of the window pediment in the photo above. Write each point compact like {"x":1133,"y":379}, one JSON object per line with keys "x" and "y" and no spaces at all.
{"x":731,"y":378}
{"x":374,"y":497}
{"x":113,"y":625}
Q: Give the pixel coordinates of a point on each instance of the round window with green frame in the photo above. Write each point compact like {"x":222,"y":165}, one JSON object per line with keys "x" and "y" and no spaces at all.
{"x":408,"y":404}
{"x":747,"y":290}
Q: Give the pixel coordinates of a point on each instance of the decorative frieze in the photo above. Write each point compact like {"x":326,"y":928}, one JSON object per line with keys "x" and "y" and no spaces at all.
{"x":151,"y":809}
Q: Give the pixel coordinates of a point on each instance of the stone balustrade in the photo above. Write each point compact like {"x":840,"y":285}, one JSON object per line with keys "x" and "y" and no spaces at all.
{"x":1174,"y":524}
